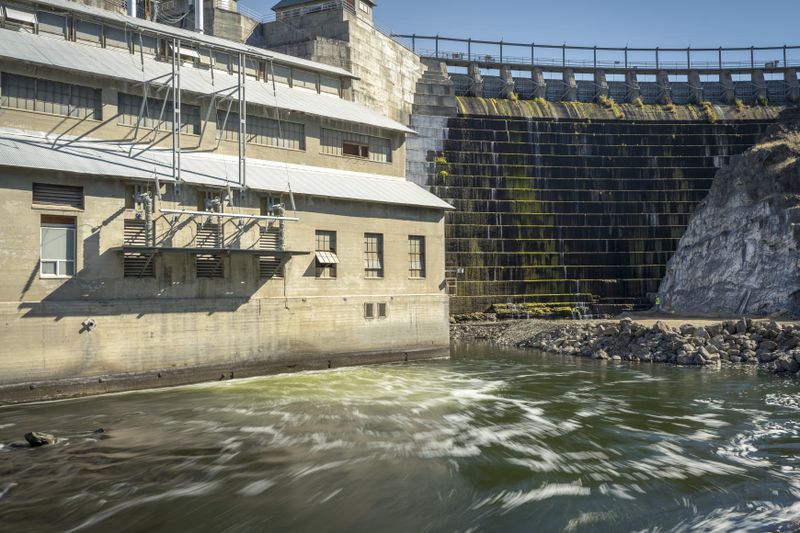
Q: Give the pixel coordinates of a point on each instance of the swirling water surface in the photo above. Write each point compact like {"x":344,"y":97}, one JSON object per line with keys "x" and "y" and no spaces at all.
{"x":490,"y":440}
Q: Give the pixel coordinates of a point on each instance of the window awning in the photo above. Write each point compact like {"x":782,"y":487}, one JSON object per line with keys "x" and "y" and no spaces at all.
{"x":327,"y":258}
{"x":17,"y":15}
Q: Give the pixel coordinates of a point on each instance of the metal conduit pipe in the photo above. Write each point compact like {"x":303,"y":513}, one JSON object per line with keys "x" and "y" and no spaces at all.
{"x":225,"y":215}
{"x":198,"y":16}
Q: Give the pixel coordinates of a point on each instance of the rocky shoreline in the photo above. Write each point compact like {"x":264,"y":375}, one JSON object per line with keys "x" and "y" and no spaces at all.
{"x":770,"y":345}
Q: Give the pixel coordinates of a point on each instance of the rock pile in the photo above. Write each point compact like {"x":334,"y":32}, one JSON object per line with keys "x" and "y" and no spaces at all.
{"x":774,"y":346}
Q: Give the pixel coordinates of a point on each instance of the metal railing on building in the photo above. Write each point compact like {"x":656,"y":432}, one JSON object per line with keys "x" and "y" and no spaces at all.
{"x":596,"y":57}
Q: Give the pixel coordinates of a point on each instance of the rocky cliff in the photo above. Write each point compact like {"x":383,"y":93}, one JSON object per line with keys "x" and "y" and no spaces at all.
{"x":741,"y":251}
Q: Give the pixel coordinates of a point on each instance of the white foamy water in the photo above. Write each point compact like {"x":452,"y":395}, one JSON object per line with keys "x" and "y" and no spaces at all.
{"x":503,"y":442}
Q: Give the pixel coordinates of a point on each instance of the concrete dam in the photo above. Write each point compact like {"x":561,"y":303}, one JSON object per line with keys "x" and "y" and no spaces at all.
{"x":555,"y":215}
{"x":572,"y":195}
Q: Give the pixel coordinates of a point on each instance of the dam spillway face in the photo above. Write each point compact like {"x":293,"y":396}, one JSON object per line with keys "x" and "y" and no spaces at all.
{"x":565,"y":214}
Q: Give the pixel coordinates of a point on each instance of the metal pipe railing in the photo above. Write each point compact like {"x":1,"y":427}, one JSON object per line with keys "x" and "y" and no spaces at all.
{"x":691,"y":60}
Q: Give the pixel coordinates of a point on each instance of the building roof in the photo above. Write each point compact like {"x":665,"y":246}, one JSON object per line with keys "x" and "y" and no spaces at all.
{"x":35,"y":50}
{"x":164,"y":29}
{"x":283,"y":4}
{"x":35,"y":150}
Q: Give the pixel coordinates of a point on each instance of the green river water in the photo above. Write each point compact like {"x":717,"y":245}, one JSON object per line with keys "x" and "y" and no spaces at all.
{"x":489,"y":440}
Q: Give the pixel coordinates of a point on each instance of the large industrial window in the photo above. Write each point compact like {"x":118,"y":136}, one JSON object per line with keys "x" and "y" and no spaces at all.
{"x":57,"y":254}
{"x":373,"y":255}
{"x":130,"y":106}
{"x":326,"y":258}
{"x":416,"y":256}
{"x":47,"y":195}
{"x":343,"y":143}
{"x":33,"y":94}
{"x":18,"y":19}
{"x":263,"y":131}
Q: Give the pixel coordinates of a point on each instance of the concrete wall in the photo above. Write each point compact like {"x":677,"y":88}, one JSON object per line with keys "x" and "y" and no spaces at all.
{"x":388,"y":72}
{"x":178,"y":322}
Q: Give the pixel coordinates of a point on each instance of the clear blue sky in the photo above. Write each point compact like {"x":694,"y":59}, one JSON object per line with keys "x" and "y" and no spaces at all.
{"x":642,"y":23}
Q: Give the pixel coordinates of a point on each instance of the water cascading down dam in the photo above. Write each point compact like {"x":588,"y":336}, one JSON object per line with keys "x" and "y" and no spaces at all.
{"x":568,"y":202}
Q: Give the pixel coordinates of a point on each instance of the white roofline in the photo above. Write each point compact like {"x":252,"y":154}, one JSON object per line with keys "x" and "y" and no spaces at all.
{"x":206,"y":40}
{"x":37,"y":150}
{"x":112,"y":63}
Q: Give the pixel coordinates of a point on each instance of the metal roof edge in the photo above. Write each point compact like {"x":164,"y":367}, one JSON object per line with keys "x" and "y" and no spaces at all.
{"x":209,"y":40}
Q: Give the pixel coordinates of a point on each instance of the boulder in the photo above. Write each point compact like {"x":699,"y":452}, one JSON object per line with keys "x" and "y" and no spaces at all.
{"x":37,"y":439}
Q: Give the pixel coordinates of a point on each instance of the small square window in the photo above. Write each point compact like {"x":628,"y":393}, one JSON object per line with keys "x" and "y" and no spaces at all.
{"x":369,"y":311}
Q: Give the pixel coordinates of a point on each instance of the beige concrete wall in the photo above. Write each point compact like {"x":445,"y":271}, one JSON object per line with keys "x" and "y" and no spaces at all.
{"x":178,"y":321}
{"x":387,"y":71}
{"x":109,"y":128}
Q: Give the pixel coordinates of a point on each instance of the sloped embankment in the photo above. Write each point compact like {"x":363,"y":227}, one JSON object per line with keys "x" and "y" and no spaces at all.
{"x":741,"y":250}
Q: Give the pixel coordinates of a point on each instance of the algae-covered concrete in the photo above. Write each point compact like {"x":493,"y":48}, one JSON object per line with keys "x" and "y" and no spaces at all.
{"x":567,"y":207}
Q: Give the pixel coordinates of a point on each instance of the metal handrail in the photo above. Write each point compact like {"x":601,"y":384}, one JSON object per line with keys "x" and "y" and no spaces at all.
{"x":532,"y":59}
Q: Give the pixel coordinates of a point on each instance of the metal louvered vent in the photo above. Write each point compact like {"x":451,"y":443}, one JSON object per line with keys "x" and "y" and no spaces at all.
{"x":58,"y":195}
{"x":209,"y":235}
{"x":137,"y":265}
{"x":270,"y":266}
{"x":135,"y":233}
{"x":209,"y":266}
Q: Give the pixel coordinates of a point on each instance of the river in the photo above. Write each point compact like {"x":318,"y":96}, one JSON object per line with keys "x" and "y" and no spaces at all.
{"x":491,"y":440}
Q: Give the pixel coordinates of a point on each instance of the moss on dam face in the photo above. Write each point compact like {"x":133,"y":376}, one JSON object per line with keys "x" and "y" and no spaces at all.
{"x":558,"y":212}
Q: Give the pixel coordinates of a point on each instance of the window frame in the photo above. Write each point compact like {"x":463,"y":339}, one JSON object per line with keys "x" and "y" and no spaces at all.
{"x":370,"y":256}
{"x":72,"y":229}
{"x":420,"y":254}
{"x":325,"y":271}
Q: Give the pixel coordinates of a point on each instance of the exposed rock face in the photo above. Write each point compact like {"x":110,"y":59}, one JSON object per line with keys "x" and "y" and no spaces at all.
{"x":741,"y":251}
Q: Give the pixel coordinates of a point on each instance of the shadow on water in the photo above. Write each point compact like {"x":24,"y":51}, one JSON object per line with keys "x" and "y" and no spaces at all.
{"x":493,"y":440}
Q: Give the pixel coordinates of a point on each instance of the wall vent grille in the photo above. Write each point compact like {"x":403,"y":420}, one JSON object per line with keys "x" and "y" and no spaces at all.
{"x":58,"y":195}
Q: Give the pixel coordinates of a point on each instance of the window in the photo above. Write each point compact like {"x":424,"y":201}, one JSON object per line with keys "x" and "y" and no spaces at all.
{"x":304,"y":79}
{"x":326,"y":259}
{"x":373,"y":255}
{"x":116,"y":37}
{"x":271,"y":206}
{"x":355,"y":150}
{"x":57,"y":254}
{"x":48,"y":195}
{"x":329,"y":85}
{"x":129,"y":106}
{"x":416,"y":256}
{"x":23,"y":92}
{"x":343,"y":143}
{"x":369,"y":311}
{"x":88,"y":32}
{"x":210,"y":201}
{"x":381,"y":310}
{"x":52,"y":24}
{"x":263,"y":131}
{"x":20,"y":19}
{"x":279,"y":74}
